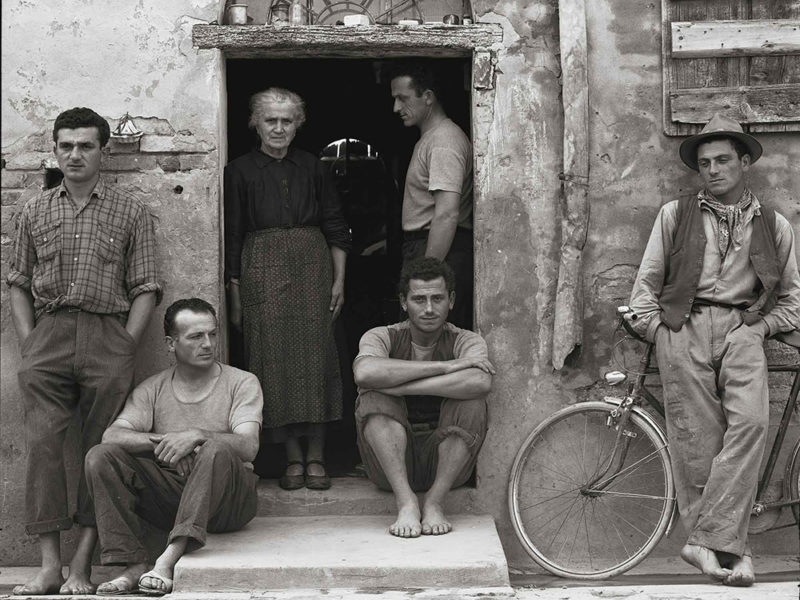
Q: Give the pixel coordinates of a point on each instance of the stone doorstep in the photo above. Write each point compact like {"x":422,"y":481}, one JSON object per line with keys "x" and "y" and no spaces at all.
{"x":333,"y":552}
{"x":347,"y":496}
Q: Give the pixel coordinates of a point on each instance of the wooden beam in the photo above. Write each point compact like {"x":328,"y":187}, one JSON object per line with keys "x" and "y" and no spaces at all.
{"x":568,"y":320}
{"x":246,"y":41}
{"x":757,"y":104}
{"x":716,"y":39}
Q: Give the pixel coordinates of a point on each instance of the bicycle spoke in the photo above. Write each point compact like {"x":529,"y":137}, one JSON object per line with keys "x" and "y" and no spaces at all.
{"x":565,"y":477}
{"x":631,"y":495}
{"x":616,"y":475}
{"x":571,"y":506}
{"x":551,"y":499}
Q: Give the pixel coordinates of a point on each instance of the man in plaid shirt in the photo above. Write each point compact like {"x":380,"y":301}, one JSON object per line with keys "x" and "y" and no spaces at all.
{"x":82,"y":286}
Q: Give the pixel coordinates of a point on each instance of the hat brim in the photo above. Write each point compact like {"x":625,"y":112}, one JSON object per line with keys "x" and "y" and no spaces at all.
{"x":688,"y":149}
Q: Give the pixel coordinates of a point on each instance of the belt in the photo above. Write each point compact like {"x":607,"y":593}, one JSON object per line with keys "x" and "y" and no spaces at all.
{"x":422,"y":234}
{"x":702,"y":302}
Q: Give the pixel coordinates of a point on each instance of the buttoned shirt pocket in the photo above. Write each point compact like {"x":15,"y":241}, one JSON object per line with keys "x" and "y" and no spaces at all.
{"x":110,"y":246}
{"x":47,"y":241}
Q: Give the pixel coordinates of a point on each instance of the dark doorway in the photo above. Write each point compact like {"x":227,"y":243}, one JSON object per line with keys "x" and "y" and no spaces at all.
{"x":349,"y":124}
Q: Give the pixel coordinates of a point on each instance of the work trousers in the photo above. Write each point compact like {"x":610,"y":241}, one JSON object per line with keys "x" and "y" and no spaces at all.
{"x":72,"y":360}
{"x":218,"y":495}
{"x":460,"y":258}
{"x":714,"y":376}
{"x":465,"y":419}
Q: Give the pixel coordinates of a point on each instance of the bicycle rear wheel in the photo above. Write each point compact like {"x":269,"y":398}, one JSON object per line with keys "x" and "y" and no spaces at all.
{"x":599,"y":532}
{"x":793,"y":473}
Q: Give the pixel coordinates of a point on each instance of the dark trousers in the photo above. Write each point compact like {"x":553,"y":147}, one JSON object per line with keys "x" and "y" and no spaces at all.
{"x":465,"y":419}
{"x":461,"y":260}
{"x":71,"y":361}
{"x":218,"y":495}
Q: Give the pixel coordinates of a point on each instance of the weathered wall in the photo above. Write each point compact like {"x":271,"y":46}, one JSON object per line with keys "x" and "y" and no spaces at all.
{"x":634,"y":169}
{"x":142,"y":61}
{"x":139,"y":59}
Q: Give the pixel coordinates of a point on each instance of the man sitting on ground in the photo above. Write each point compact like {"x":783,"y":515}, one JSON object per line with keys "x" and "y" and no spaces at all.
{"x":177,"y":456}
{"x":428,"y":361}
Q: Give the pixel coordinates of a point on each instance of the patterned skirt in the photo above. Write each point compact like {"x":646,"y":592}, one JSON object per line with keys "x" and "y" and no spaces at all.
{"x":287,"y":328}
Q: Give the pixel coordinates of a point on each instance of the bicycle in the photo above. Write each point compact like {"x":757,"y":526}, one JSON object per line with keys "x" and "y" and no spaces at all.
{"x":591,"y":491}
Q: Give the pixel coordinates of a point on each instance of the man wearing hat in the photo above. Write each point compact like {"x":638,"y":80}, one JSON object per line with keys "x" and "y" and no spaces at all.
{"x":718,"y":276}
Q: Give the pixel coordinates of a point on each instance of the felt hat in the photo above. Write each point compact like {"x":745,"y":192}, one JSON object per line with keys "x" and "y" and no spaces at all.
{"x":719,"y":125}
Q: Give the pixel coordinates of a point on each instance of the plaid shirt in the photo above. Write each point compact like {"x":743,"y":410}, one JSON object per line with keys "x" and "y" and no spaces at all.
{"x":98,"y":257}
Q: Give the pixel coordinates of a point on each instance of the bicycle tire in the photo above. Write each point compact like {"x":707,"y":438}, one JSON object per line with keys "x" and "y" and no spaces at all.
{"x":608,"y":533}
{"x":793,"y":476}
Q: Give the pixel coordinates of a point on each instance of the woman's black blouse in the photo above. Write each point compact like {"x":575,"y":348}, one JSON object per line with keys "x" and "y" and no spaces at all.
{"x":263,"y":192}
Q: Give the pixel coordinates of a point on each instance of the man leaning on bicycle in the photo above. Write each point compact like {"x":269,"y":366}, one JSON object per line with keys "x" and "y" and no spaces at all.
{"x":718,"y":276}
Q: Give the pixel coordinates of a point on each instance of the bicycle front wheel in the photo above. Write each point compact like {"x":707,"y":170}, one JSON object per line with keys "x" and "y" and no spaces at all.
{"x":570,"y":523}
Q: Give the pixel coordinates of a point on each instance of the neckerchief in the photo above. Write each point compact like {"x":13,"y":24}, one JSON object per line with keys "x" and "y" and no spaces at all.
{"x":731,"y":218}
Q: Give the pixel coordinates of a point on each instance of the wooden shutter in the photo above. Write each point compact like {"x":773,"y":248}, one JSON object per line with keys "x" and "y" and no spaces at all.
{"x":738,"y":57}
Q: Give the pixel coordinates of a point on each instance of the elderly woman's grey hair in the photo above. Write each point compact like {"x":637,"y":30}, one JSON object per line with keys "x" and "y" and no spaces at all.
{"x":259,"y":102}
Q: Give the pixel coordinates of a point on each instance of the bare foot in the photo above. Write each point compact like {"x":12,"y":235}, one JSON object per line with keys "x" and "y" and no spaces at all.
{"x":743,"y":574}
{"x":433,"y":520}
{"x":704,"y":559}
{"x":46,"y":581}
{"x":407,"y":524}
{"x":127,"y":581}
{"x":78,"y":583}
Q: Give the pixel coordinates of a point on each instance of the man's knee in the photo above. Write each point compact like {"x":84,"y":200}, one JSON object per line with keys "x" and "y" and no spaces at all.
{"x":379,"y":427}
{"x":216,"y":450}
{"x":466,"y":419}
{"x":100,"y":457}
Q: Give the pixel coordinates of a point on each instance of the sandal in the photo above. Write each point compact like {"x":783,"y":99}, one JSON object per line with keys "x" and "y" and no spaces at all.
{"x":317,"y":482}
{"x":293,"y":482}
{"x":155,"y":591}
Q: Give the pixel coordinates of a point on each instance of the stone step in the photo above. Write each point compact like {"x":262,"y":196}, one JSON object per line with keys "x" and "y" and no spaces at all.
{"x":347,"y":496}
{"x":335,"y":552}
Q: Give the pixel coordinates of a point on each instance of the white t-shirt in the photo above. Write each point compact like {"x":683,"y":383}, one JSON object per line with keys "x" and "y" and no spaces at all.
{"x":442,"y":160}
{"x":235,"y":398}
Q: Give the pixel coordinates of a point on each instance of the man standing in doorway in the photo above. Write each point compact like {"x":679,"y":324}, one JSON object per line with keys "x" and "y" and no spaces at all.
{"x":437,"y":201}
{"x":83,"y":285}
{"x":718,"y":276}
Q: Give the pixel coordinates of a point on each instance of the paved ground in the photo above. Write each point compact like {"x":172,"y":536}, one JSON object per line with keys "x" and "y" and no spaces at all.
{"x":660,"y":580}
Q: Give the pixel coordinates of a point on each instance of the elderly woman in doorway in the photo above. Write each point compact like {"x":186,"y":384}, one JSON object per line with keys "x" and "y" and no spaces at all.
{"x":286,"y":243}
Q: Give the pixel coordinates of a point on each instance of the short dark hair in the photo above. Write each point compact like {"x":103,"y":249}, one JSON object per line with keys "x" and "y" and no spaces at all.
{"x":80,"y":116}
{"x":196,"y":305}
{"x":423,"y":76}
{"x":738,"y":145}
{"x":426,"y":268}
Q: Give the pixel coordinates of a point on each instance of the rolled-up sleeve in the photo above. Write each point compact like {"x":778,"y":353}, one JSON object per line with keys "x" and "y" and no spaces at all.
{"x":234,"y":225}
{"x":785,"y":315}
{"x":142,"y":275}
{"x":23,"y":255}
{"x":650,"y":278}
{"x":333,"y":224}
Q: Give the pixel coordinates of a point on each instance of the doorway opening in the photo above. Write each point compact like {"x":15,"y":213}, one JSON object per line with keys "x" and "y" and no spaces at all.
{"x":351,"y":127}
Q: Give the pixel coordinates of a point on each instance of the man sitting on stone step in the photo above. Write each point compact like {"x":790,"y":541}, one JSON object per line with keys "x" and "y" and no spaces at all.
{"x":422,"y":363}
{"x":177,"y":456}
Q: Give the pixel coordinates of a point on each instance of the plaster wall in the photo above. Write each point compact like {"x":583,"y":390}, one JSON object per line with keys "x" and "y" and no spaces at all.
{"x":148,"y":67}
{"x":140,"y":59}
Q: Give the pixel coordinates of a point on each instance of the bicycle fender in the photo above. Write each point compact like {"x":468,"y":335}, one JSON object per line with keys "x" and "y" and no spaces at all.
{"x":646,"y":416}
